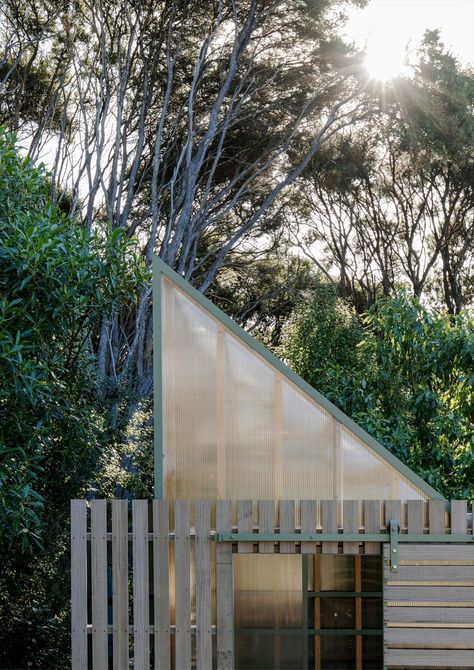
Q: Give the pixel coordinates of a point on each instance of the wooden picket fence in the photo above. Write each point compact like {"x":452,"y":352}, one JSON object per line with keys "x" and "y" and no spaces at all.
{"x":142,"y":588}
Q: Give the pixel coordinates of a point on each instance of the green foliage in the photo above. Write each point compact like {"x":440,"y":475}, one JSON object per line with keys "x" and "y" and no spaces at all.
{"x":55,"y":281}
{"x":408,"y":379}
{"x":320,"y":341}
{"x":126,"y":469}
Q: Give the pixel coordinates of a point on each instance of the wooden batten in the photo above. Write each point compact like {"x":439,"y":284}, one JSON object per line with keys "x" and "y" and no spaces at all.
{"x":165,"y":556}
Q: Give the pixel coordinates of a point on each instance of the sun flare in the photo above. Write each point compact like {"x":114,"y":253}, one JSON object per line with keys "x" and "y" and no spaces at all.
{"x":385,"y":59}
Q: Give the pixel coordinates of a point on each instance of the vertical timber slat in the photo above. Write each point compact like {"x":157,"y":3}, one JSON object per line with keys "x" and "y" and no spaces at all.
{"x":459,"y":517}
{"x":308,"y":524}
{"x":415,"y":512}
{"x":372,"y":524}
{"x":141,"y":607}
{"x":99,"y":580}
{"x":161,"y":590}
{"x":244,"y":524}
{"x":436,"y":516}
{"x":351,"y":525}
{"x":182,"y":584}
{"x":224,"y":589}
{"x":266,"y":524}
{"x":287,"y":524}
{"x":393,"y":512}
{"x":120,"y":583}
{"x":203,"y":585}
{"x":329,"y":524}
{"x":79,"y":584}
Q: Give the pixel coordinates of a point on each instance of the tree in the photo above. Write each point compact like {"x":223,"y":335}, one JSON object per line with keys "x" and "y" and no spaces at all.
{"x":55,"y":280}
{"x":391,"y":201}
{"x":172,"y":122}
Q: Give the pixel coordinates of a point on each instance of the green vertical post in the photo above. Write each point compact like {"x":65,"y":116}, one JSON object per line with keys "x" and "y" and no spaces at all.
{"x":157,"y":380}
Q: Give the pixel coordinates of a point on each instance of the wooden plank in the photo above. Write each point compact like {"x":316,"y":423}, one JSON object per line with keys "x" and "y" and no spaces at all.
{"x":432,"y":658}
{"x":120,"y":583}
{"x":458,"y":517}
{"x":415,"y":513}
{"x":329,"y":524}
{"x":436,"y":516}
{"x":244,"y":524}
{"x":392,"y":512}
{"x":78,"y":585}
{"x":100,"y":660}
{"x":434,"y":615}
{"x":358,"y":611}
{"x":287,"y":524}
{"x":182,"y":563}
{"x":308,"y":510}
{"x":317,"y":611}
{"x":457,"y":594}
{"x":161,"y":577}
{"x":351,"y":525}
{"x":372,"y":525}
{"x":435,"y":638}
{"x":203,"y":585}
{"x":436,"y":552}
{"x":224,"y":589}
{"x":141,"y":614}
{"x":266,"y":524}
{"x":432,"y":573}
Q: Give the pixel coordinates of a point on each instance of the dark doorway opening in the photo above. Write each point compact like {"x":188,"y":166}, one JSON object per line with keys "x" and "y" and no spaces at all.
{"x":310,"y":612}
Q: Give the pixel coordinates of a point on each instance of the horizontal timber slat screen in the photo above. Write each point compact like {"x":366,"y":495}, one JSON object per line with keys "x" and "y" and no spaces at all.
{"x":151,"y":582}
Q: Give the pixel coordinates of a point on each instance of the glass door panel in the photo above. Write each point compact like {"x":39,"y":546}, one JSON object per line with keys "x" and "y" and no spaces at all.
{"x":268,"y":608}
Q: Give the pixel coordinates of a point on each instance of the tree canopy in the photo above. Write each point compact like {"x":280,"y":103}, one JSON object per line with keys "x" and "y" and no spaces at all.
{"x":243,"y":142}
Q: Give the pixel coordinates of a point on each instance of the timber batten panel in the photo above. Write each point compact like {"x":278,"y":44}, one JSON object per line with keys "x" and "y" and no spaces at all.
{"x":429,"y":599}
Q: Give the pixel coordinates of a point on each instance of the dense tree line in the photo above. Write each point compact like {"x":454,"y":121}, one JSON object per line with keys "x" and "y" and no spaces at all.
{"x":244,"y":144}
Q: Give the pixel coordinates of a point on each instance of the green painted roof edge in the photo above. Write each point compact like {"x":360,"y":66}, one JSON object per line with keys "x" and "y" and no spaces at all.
{"x":205,"y":303}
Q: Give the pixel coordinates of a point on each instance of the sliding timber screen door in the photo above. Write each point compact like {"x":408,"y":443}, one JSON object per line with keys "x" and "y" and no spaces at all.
{"x":235,"y":425}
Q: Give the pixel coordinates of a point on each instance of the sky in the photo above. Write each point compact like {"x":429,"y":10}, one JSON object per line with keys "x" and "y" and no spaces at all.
{"x":390,"y":24}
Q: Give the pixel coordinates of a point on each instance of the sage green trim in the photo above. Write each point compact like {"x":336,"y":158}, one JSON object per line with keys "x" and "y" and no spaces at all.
{"x":394,"y":528}
{"x":345,"y":631}
{"x":345,"y":594}
{"x":160,"y":267}
{"x":157,"y":379}
{"x":303,"y":537}
{"x":435,"y":538}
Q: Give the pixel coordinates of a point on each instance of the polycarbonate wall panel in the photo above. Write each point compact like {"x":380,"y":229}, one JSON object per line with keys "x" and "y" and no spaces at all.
{"x":365,"y":474}
{"x":307,"y":447}
{"x":189,"y":398}
{"x":249,"y":417}
{"x":235,"y":427}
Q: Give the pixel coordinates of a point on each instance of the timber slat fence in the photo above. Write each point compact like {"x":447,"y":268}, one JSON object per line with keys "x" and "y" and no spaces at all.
{"x":156,"y":587}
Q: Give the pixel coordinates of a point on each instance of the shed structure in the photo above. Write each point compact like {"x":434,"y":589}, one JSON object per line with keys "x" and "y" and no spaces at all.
{"x":233,"y":422}
{"x":281,"y":537}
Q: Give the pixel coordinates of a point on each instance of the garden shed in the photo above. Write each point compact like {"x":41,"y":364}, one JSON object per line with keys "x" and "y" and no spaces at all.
{"x":282,"y":536}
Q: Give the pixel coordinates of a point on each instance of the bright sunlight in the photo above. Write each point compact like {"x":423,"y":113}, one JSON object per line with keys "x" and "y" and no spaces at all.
{"x":385,"y":58}
{"x":390,"y":31}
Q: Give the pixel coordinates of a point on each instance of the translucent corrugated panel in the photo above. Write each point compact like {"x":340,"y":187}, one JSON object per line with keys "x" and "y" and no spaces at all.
{"x":365,"y":474}
{"x":235,"y":427}
{"x":268,"y":603}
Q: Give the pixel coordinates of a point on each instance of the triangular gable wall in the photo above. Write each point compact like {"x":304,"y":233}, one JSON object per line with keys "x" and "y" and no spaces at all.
{"x":233,"y":422}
